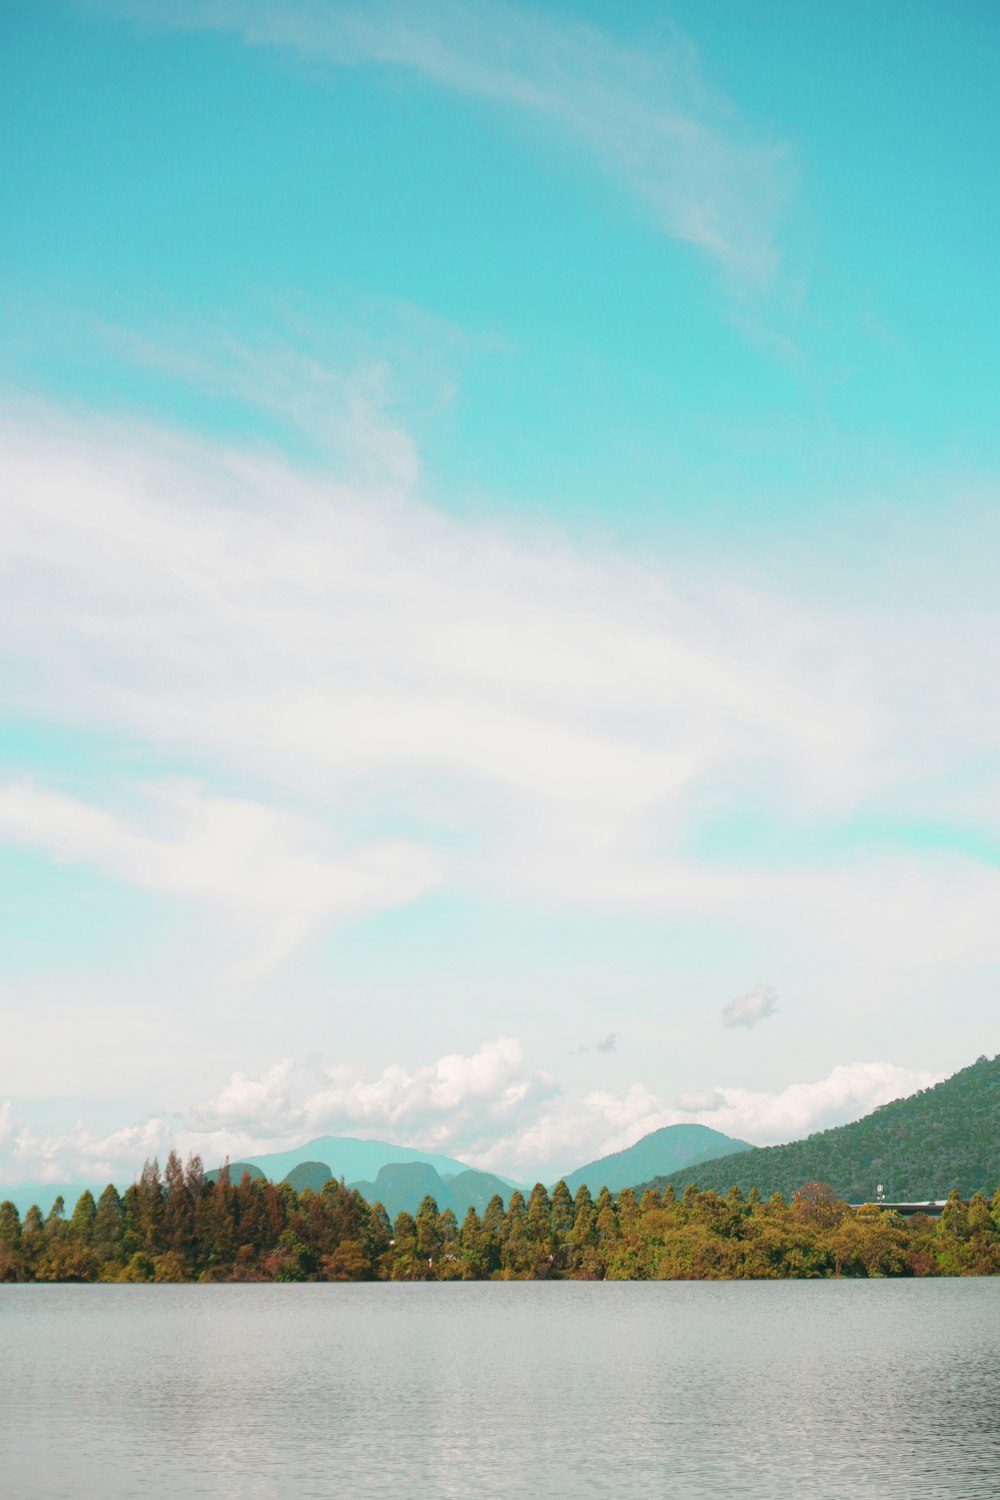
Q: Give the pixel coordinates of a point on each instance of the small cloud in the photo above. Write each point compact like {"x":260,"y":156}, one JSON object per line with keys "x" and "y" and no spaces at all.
{"x":754,"y":1006}
{"x":700,"y":1101}
{"x":606,"y":1044}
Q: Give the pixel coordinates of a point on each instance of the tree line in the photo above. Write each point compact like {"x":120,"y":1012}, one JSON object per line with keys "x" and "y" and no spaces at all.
{"x":178,"y":1226}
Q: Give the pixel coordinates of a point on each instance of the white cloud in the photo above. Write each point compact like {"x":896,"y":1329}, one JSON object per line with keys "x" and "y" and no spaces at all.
{"x":456,"y":1099}
{"x":568,"y":1132}
{"x":644,"y":115}
{"x":492,"y":1109}
{"x":542,"y":722}
{"x":270,"y":871}
{"x":259,"y":1107}
{"x":608,"y":1043}
{"x":848,"y":1092}
{"x":700,"y":1101}
{"x":756,"y":1005}
{"x":379,"y":664}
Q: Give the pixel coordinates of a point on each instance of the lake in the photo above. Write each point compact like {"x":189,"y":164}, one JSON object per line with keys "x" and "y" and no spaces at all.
{"x":710,"y":1389}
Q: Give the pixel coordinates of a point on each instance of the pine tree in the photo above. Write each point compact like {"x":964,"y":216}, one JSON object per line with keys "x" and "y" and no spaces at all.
{"x":381,"y":1229}
{"x":581,"y":1200}
{"x":628,"y":1211}
{"x":178,"y":1208}
{"x":107,"y":1231}
{"x":32,"y":1237}
{"x":10,"y":1224}
{"x":539,"y":1213}
{"x":428,"y":1238}
{"x":494,"y":1216}
{"x":150,"y":1208}
{"x":562,"y":1212}
{"x":474,"y":1242}
{"x":81,"y":1225}
{"x":515,"y":1252}
{"x":11,"y":1264}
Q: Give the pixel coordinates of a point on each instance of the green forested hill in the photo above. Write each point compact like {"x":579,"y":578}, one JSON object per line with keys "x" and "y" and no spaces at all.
{"x":309,"y":1174}
{"x":918,"y":1148}
{"x":672,"y":1148}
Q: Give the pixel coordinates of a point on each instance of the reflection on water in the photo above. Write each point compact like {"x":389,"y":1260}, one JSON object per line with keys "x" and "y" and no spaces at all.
{"x":766,"y":1389}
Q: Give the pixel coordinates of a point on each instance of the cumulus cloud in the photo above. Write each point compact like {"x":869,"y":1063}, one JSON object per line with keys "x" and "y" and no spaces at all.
{"x":846,"y":1093}
{"x":701,"y":1101}
{"x":490,"y":1108}
{"x":566,"y":1132}
{"x":457,"y":1098}
{"x":756,"y":1005}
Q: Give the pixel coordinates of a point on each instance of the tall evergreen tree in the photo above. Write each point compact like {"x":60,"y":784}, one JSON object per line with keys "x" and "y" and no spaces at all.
{"x":178,"y":1208}
{"x":562,"y":1213}
{"x":81,"y":1225}
{"x":10,"y":1224}
{"x":107,"y":1230}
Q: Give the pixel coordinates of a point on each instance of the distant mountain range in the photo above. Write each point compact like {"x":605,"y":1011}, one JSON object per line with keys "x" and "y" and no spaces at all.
{"x":402,"y":1182}
{"x":351,"y":1159}
{"x":917,"y":1148}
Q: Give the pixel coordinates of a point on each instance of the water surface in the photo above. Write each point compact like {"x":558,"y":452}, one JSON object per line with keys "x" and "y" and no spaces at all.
{"x":761,"y":1389}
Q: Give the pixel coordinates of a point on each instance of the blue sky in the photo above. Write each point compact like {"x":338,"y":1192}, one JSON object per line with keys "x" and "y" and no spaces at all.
{"x":499,"y":550}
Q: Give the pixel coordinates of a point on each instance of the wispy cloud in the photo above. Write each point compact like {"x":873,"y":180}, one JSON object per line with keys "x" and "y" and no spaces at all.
{"x":643,"y":113}
{"x":273,"y":873}
{"x":608,"y":1043}
{"x":756,"y":1005}
{"x":542,"y":721}
{"x":373,"y":661}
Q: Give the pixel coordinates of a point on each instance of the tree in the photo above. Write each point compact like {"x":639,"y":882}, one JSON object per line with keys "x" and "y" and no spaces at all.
{"x":428,"y":1238}
{"x":493,"y":1229}
{"x":628,"y":1211}
{"x":32,"y":1238}
{"x":11,"y":1267}
{"x":81,"y":1225}
{"x":10,"y":1225}
{"x":106,"y":1235}
{"x":405,"y":1264}
{"x":562,"y":1212}
{"x":475,"y":1244}
{"x":178,"y":1208}
{"x":149,"y":1217}
{"x":539,"y":1214}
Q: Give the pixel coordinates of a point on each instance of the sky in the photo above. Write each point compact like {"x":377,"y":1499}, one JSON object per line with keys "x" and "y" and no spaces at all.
{"x":499,"y":636}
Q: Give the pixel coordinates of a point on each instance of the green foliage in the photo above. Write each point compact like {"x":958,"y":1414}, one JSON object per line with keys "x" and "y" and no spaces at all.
{"x":185,"y":1227}
{"x":918,"y":1148}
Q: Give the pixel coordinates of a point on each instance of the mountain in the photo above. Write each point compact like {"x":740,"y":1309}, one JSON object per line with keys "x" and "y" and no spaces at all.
{"x":918,"y":1148}
{"x":471,"y":1189}
{"x":236,"y":1171}
{"x":401,"y":1187}
{"x":309,"y":1174}
{"x":349,"y":1158}
{"x":657,"y":1154}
